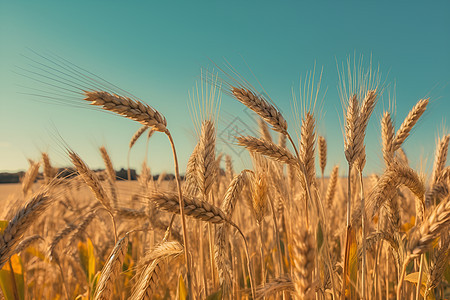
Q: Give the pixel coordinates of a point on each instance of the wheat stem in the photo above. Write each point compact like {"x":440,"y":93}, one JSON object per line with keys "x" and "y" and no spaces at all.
{"x":183,"y":218}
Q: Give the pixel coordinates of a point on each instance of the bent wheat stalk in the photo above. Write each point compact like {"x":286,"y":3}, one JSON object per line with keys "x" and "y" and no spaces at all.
{"x":148,"y":116}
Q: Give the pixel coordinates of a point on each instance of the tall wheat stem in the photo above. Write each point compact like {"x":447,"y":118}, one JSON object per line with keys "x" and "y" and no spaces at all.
{"x":211,"y":248}
{"x":419,"y":280}
{"x":302,"y":168}
{"x":363,"y":228}
{"x":263,"y":267}
{"x":277,"y":239}
{"x":349,"y":194}
{"x":183,"y":218}
{"x":13,"y":280}
{"x":402,"y":277}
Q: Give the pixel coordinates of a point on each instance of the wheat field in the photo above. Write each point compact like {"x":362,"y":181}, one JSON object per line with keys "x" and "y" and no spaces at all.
{"x":280,"y":230}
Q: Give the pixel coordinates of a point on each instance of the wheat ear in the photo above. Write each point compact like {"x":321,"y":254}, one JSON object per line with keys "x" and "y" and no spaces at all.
{"x":49,"y":172}
{"x":150,"y":267}
{"x":303,"y":261}
{"x":27,"y":242}
{"x":387,"y":136}
{"x":264,"y":130}
{"x":129,"y":108}
{"x":307,"y":149}
{"x":193,"y":207}
{"x":90,"y":179}
{"x":331,"y":190}
{"x":262,"y":107}
{"x":267,"y":148}
{"x":409,"y":122}
{"x":22,"y":220}
{"x":207,"y":167}
{"x":322,"y":153}
{"x":108,"y":164}
{"x":30,"y":177}
{"x":110,"y":271}
{"x":274,"y":286}
{"x":440,"y":159}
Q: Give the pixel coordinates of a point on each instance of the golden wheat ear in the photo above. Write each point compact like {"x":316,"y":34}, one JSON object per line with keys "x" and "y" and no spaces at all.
{"x":129,"y":108}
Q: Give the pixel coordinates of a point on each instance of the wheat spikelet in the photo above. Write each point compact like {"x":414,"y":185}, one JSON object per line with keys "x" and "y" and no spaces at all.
{"x":27,"y":242}
{"x":150,"y":266}
{"x":351,"y":121}
{"x":81,"y":227}
{"x":30,"y":177}
{"x":264,"y":109}
{"x":439,"y":190}
{"x":57,"y":239}
{"x":366,"y":110}
{"x":322,"y":153}
{"x":401,"y":156}
{"x":367,"y":107}
{"x":259,"y":196}
{"x":108,"y":164}
{"x":130,"y":213}
{"x":49,"y":172}
{"x":128,"y":108}
{"x":193,"y":207}
{"x":393,"y":212}
{"x":399,"y":174}
{"x":440,"y":262}
{"x":440,"y":159}
{"x":229,"y":167}
{"x":137,"y":135}
{"x":274,"y":286}
{"x":90,"y":179}
{"x":394,"y":176}
{"x":223,"y":264}
{"x":145,"y":177}
{"x":387,"y":136}
{"x":111,"y":174}
{"x":192,"y":180}
{"x":303,"y":261}
{"x":267,"y":148}
{"x":264,"y":130}
{"x":307,"y":141}
{"x":22,"y":220}
{"x":234,"y":190}
{"x":331,"y":190}
{"x":111,"y":270}
{"x":409,"y":122}
{"x":430,"y":229}
{"x":220,"y":242}
{"x":207,"y":167}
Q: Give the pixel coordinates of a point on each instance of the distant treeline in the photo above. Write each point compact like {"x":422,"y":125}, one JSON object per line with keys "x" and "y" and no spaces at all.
{"x":69,"y":172}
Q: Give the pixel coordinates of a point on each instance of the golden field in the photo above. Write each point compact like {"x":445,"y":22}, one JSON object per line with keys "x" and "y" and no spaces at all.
{"x":280,"y":230}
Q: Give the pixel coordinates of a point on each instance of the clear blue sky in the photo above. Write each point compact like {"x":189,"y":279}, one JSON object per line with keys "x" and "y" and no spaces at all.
{"x":156,"y":49}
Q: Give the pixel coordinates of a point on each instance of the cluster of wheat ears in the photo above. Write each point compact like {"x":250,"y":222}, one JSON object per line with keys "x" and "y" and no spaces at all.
{"x":278,"y":231}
